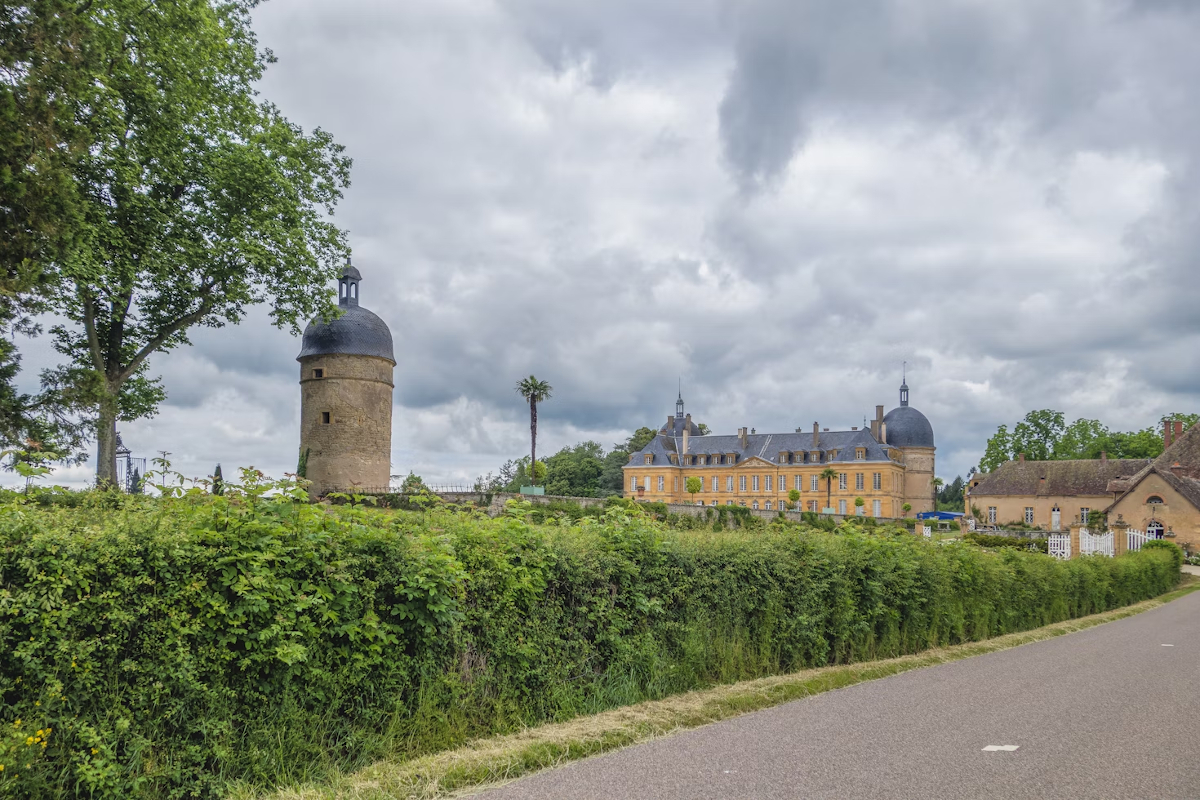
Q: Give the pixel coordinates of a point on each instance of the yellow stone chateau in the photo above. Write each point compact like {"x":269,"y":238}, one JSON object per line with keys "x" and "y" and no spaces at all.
{"x":887,"y":465}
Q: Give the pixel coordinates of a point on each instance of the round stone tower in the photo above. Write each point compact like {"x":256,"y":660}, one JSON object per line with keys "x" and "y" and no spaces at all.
{"x":909,"y":430}
{"x":346,"y":396}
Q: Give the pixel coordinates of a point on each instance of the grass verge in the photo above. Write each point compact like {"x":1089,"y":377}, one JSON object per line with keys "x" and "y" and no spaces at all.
{"x":502,"y":758}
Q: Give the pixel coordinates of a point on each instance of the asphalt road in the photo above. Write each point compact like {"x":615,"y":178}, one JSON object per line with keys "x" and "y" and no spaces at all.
{"x":1108,"y":712}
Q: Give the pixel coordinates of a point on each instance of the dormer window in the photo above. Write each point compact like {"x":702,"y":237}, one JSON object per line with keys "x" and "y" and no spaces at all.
{"x":649,"y":459}
{"x":860,"y":453}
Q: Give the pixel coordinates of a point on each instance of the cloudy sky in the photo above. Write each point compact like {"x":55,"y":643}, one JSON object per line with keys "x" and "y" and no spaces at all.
{"x":778,"y":202}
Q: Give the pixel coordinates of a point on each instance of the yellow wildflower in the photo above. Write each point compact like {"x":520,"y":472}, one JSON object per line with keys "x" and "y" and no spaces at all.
{"x":95,"y":751}
{"x":28,"y":741}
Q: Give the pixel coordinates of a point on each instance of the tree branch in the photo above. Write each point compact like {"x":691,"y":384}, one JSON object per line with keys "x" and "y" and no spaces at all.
{"x":169,"y":330}
{"x":89,"y":325}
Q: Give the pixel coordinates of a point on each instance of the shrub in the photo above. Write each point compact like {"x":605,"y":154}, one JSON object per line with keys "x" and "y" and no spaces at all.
{"x":998,"y":540}
{"x":1162,"y":544}
{"x":166,"y":647}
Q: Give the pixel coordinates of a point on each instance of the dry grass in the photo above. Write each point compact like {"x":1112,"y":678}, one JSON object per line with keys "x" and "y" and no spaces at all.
{"x":486,"y":762}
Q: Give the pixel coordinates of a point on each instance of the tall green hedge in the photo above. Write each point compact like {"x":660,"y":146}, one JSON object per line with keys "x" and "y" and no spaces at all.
{"x":164,"y":648}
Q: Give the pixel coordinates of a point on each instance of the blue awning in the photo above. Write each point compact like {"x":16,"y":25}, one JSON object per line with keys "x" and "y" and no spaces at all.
{"x":950,"y":515}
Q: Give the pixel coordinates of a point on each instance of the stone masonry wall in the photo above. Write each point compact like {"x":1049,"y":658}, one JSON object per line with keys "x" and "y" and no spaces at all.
{"x":354,"y":448}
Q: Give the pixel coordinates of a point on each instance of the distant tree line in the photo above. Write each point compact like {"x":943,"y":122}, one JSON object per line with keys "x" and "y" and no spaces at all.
{"x":581,"y":470}
{"x":1044,"y":435}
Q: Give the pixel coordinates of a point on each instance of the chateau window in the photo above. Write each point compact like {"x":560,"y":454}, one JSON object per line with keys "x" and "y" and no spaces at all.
{"x":729,"y":483}
{"x":1083,"y":515}
{"x":649,"y":459}
{"x":728,"y":502}
{"x":858,"y":480}
{"x":991,"y":515}
{"x":714,"y":502}
{"x":799,"y":483}
{"x":860,"y":454}
{"x":877,"y":508}
{"x":754,"y":483}
{"x":842,"y":507}
{"x":767,"y":482}
{"x":841,"y":480}
{"x":633,"y":483}
{"x":877,"y":482}
{"x":662,"y":479}
{"x":812,"y":505}
{"x":741,"y":483}
{"x":815,"y":484}
{"x":325,"y":419}
{"x":716,"y":485}
{"x":318,"y":373}
{"x":1154,"y":500}
{"x":754,"y":505}
{"x":768,"y":505}
{"x":1028,"y":515}
{"x":675,"y":484}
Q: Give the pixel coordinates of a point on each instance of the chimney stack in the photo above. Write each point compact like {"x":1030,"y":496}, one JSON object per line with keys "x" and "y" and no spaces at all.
{"x":877,"y":422}
{"x":686,"y":433}
{"x":816,"y":436}
{"x":742,"y":437}
{"x":1178,"y":430}
{"x":1166,"y":434}
{"x":882,"y":432}
{"x":1177,"y":469}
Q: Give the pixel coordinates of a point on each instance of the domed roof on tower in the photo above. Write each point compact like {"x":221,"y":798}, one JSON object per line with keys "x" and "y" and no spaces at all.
{"x":907,"y":427}
{"x":356,"y":332}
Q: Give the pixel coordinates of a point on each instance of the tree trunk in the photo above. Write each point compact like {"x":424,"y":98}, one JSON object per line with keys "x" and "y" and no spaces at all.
{"x":829,"y":492}
{"x":106,"y":440}
{"x":532,"y":442}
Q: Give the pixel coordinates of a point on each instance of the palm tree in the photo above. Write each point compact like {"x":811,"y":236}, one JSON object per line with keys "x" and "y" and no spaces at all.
{"x":829,"y":473}
{"x":534,"y":391}
{"x":938,"y":483}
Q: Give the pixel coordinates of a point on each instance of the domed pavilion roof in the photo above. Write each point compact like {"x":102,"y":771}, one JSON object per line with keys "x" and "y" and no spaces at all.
{"x":907,"y":427}
{"x":357,"y":331}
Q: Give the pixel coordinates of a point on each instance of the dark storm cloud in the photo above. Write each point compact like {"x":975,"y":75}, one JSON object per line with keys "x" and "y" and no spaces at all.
{"x":778,"y":201}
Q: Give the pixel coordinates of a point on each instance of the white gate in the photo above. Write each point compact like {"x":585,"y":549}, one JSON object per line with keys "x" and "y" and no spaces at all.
{"x":1059,"y":545}
{"x":1095,"y":544}
{"x":1136,"y":540}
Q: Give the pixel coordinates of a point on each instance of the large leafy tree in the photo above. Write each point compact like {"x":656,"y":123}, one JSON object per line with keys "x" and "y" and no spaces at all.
{"x":43,"y":70}
{"x":534,"y":391}
{"x":192,"y":199}
{"x":1043,"y":435}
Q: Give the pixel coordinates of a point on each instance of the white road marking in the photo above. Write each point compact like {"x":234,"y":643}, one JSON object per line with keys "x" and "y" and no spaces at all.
{"x":1006,"y":747}
{"x":1168,"y":645}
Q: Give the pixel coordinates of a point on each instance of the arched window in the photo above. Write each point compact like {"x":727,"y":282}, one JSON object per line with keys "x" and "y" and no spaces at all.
{"x":1154,"y":530}
{"x":1154,"y":500}
{"x":755,"y":505}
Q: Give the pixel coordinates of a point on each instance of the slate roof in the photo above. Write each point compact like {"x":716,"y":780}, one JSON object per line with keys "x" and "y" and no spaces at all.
{"x":357,"y":331}
{"x":907,"y":427}
{"x":1089,"y":477}
{"x":766,"y":446}
{"x":1185,"y":452}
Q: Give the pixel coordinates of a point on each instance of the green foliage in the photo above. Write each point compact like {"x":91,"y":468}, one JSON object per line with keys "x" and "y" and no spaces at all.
{"x":191,"y":198}
{"x":1044,"y":436}
{"x":575,"y":471}
{"x":950,"y":496}
{"x":167,"y":646}
{"x":990,"y":540}
{"x":218,"y":480}
{"x":794,"y":499}
{"x":412,"y":484}
{"x":302,"y":462}
{"x":693,"y":484}
{"x":1162,"y":544}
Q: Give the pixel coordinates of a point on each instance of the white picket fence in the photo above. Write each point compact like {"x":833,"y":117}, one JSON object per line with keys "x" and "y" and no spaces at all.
{"x":1095,"y":544}
{"x":1136,"y":540}
{"x":1059,"y":545}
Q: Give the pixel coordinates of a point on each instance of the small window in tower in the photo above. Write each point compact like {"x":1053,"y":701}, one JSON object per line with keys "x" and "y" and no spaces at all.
{"x":324,"y":417}
{"x":318,"y":373}
{"x":354,"y":290}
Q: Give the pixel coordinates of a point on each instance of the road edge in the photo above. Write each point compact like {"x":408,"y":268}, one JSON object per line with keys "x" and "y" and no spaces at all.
{"x":493,"y":761}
